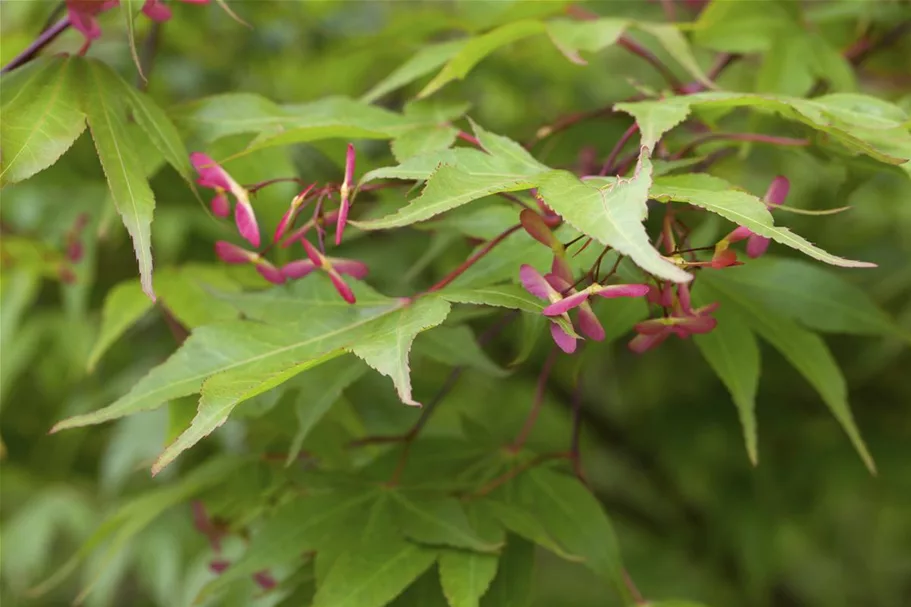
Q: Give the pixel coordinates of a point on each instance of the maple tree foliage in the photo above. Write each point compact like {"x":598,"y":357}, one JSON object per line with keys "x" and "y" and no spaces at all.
{"x":375,"y":303}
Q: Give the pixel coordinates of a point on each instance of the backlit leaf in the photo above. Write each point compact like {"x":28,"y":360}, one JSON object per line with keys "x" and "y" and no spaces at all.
{"x":423,"y":62}
{"x":42,"y":117}
{"x":476,"y":49}
{"x":612,"y":215}
{"x":743,"y":209}
{"x":103,"y":104}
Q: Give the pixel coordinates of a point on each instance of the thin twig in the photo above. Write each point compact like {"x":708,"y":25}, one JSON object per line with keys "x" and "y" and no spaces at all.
{"x":612,"y":157}
{"x":752,"y":137}
{"x":540,"y":391}
{"x":43,"y":39}
{"x":474,"y":258}
{"x":860,"y":51}
{"x":637,"y":49}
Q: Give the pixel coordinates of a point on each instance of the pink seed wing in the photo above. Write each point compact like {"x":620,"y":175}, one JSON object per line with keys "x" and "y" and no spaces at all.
{"x":612,"y":291}
{"x":246,"y":223}
{"x":567,"y":303}
{"x":534,"y":283}
{"x":643,"y":343}
{"x":564,"y":340}
{"x":351,"y":267}
{"x":757,"y":246}
{"x":343,"y":289}
{"x":298,"y":268}
{"x":589,"y":323}
{"x":230,"y":253}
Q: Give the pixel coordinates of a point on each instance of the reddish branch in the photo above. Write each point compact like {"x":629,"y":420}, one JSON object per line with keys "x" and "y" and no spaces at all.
{"x":753,"y":137}
{"x":43,"y":39}
{"x":487,"y":248}
{"x":540,"y":391}
{"x":612,"y":157}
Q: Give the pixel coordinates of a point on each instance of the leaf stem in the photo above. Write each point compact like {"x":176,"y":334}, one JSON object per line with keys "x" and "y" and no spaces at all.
{"x":612,"y":157}
{"x":635,"y":48}
{"x":474,"y":258}
{"x":540,"y":390}
{"x":753,"y":137}
{"x":43,"y":39}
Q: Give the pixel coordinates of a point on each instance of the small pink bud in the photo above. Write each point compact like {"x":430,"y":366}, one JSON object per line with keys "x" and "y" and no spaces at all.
{"x":219,"y":566}
{"x":220,"y":205}
{"x":264,"y":580}
{"x":211,"y":175}
{"x":345,"y":193}
{"x":564,"y":340}
{"x":246,"y":222}
{"x":778,"y":190}
{"x":757,"y":246}
{"x":536,"y":228}
{"x":343,"y":289}
{"x":74,"y":251}
{"x":233,"y":254}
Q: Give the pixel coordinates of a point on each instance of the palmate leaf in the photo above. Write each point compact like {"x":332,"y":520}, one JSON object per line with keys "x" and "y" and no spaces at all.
{"x":42,"y":116}
{"x":423,"y":62}
{"x":296,"y":527}
{"x":512,"y":586}
{"x":573,"y":517}
{"x":476,"y":49}
{"x":437,"y":522}
{"x":806,"y":352}
{"x":813,"y":296}
{"x":888,"y":140}
{"x":457,"y":177}
{"x":136,"y":514}
{"x":102,"y":101}
{"x":716,"y":195}
{"x":233,"y":361}
{"x":377,"y":568}
{"x":612,"y":215}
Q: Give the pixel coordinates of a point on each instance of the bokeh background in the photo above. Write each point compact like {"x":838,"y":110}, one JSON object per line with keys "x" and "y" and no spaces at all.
{"x":809,"y":526}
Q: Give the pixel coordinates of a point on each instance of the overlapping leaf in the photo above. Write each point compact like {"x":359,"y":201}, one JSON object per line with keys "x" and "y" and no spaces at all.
{"x":806,"y":352}
{"x":743,"y":209}
{"x":234,"y":361}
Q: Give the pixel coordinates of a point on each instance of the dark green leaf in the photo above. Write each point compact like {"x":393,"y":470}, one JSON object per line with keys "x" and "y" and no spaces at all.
{"x":514,"y":581}
{"x":123,"y":306}
{"x":732,"y":352}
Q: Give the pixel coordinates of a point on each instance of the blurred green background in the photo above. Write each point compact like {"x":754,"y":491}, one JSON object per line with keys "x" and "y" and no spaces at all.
{"x":662,"y":443}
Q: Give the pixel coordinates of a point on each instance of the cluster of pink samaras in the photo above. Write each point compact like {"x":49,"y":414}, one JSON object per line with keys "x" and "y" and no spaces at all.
{"x":83,"y":14}
{"x":678,"y":317}
{"x":214,"y":177}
